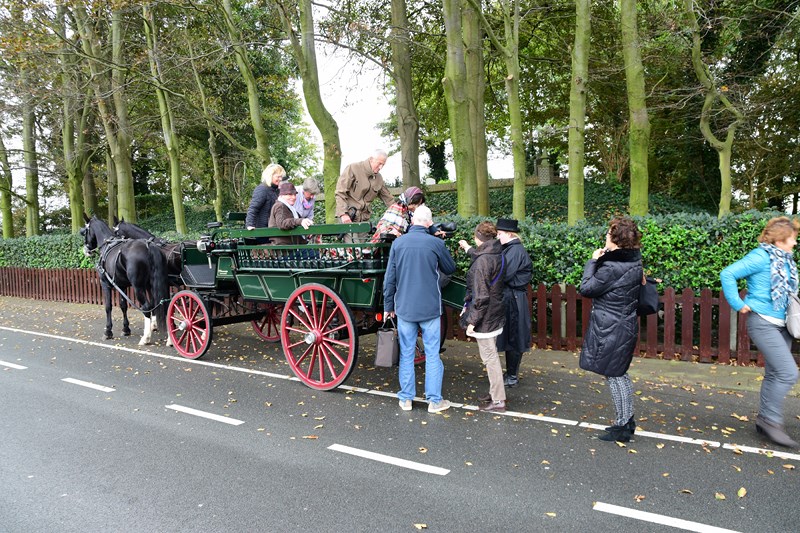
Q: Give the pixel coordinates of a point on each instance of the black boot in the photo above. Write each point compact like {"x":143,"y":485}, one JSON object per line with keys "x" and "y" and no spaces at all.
{"x":617,"y":433}
{"x":630,"y":424}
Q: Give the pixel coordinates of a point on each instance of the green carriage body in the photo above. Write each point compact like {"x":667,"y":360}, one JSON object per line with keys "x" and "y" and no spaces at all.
{"x":327,"y":294}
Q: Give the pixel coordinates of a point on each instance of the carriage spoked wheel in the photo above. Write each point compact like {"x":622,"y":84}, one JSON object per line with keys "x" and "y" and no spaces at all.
{"x":268,"y":326}
{"x":189,"y":324}
{"x":419,"y":348}
{"x":319,"y":336}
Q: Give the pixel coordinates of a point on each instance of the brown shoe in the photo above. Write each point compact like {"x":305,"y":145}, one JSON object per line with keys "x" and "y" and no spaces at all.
{"x":486,"y":398}
{"x":493,"y":407}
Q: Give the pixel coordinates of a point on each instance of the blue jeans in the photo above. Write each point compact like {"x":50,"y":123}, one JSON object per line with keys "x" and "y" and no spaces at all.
{"x":780,"y":370}
{"x":434,"y":368}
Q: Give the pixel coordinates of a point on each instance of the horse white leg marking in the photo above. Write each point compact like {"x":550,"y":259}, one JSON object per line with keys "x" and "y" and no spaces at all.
{"x":148,"y":332}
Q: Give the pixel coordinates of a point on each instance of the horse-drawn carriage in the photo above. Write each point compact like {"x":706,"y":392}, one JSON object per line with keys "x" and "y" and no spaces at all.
{"x":316,"y":299}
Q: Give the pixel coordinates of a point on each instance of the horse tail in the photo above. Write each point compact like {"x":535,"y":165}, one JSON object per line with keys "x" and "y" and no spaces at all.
{"x":160,"y":285}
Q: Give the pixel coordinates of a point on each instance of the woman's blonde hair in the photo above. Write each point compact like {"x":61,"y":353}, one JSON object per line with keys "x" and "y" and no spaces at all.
{"x":779,"y":229}
{"x":272,"y":170}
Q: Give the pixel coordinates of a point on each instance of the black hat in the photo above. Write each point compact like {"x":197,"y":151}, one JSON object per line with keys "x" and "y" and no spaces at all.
{"x":507,"y":224}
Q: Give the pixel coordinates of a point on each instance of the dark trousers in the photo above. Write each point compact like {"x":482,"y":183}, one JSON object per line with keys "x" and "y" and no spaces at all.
{"x":512,"y":362}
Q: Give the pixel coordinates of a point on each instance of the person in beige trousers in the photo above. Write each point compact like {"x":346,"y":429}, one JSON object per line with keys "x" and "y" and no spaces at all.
{"x":484,"y":313}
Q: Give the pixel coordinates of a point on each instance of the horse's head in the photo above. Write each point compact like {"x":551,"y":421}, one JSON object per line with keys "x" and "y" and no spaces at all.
{"x":94,"y":234}
{"x":131,"y":230}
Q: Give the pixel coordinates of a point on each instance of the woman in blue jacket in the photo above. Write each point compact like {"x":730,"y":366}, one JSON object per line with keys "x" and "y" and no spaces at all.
{"x":771,"y":274}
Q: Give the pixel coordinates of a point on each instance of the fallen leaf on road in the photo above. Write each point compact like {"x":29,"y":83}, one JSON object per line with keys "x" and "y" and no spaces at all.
{"x":468,"y":463}
{"x":660,"y":445}
{"x":422,"y":449}
{"x":743,"y":418}
{"x":742,"y":492}
{"x":685,"y":491}
{"x":318,"y":426}
{"x":310,"y":437}
{"x":621,"y":444}
{"x":788,"y":467}
{"x":421,"y":526}
{"x":639,"y":497}
{"x":551,"y":515}
{"x":738,"y":468}
{"x":719,"y":496}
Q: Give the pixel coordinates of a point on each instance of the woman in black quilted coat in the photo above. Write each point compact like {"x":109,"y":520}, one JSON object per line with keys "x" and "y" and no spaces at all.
{"x":612,"y":279}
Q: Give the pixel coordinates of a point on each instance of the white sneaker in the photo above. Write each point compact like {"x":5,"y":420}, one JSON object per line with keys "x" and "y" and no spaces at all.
{"x":438,"y":407}
{"x":405,"y":405}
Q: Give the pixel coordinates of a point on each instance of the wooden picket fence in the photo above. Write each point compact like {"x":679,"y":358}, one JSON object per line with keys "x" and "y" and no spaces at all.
{"x":689,"y":327}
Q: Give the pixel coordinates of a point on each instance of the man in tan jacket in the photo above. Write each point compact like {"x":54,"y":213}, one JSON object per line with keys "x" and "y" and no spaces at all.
{"x":359,"y":184}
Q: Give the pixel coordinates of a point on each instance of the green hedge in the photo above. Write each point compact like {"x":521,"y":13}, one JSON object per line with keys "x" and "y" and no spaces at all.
{"x":685,"y":250}
{"x":46,"y":251}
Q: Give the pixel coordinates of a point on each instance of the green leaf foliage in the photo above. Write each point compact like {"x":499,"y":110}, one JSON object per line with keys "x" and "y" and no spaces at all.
{"x":45,"y":251}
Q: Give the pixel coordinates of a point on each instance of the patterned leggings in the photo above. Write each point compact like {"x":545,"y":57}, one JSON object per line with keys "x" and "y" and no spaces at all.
{"x":622,"y":394}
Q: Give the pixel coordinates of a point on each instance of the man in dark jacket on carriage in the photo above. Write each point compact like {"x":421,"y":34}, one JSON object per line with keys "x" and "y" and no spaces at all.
{"x":516,"y":336}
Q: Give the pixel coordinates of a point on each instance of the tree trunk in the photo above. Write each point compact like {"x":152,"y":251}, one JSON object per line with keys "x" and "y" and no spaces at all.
{"x":577,"y":110}
{"x":306,"y":56}
{"x":122,"y":148}
{"x":509,"y":50}
{"x":72,"y":160}
{"x":212,"y":139}
{"x":90,"y":203}
{"x":113,"y":112}
{"x":476,"y":90}
{"x":5,"y":192}
{"x":407,"y":121}
{"x":111,"y":185}
{"x":639,"y":131}
{"x":167,"y":122}
{"x":242,"y":61}
{"x":458,"y":112}
{"x":31,"y":167}
{"x":724,"y":148}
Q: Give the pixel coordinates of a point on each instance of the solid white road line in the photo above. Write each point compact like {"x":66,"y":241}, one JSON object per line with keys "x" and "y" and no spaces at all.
{"x":659,"y":519}
{"x":12,"y":365}
{"x":561,"y":421}
{"x":762,"y":451}
{"x":88,"y":385}
{"x":389,"y":459}
{"x":204,"y":414}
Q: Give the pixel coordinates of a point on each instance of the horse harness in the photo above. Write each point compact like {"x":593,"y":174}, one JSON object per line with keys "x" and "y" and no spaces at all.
{"x":105,"y":249}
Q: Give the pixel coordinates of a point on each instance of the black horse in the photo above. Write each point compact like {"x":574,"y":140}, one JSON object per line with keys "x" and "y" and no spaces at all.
{"x":171,"y":250}
{"x":127,"y":263}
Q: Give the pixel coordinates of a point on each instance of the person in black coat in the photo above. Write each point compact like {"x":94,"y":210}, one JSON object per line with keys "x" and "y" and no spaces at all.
{"x":516,"y":337}
{"x":612,"y":278}
{"x":483,"y":313}
{"x":264,"y":197}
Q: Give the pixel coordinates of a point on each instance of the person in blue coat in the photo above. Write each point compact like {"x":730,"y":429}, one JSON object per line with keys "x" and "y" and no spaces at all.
{"x":411,"y":293}
{"x":771,"y":275}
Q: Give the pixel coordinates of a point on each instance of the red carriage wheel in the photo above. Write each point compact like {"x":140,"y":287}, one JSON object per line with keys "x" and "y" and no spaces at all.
{"x":319,"y":336}
{"x":189,"y":324}
{"x":268,"y":326}
{"x":419,"y":349}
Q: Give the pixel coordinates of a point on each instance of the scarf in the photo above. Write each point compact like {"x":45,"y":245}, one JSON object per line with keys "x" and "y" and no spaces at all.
{"x":290,"y":206}
{"x":780,"y":283}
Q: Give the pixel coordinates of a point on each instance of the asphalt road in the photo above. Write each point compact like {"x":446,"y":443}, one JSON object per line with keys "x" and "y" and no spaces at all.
{"x":277,"y":456}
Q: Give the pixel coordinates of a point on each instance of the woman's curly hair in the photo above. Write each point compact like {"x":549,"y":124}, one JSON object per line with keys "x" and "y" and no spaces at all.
{"x":625,"y":233}
{"x":779,"y":229}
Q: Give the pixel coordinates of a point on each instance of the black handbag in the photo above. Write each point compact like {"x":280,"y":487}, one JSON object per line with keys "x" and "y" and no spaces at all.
{"x":648,"y":297}
{"x":387,"y":346}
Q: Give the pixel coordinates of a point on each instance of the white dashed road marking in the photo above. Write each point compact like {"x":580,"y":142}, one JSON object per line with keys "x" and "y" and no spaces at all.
{"x":89,"y":385}
{"x":204,"y":414}
{"x":659,"y":519}
{"x":389,"y":460}
{"x":12,"y":365}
